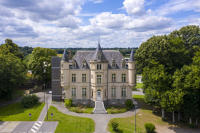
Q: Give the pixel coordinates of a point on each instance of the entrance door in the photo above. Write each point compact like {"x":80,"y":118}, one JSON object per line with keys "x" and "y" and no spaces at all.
{"x":98,"y":95}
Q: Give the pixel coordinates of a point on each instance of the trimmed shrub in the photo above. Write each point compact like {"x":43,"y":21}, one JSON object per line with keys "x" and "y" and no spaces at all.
{"x":29,"y":101}
{"x":193,"y":126}
{"x":68,"y":103}
{"x":150,"y":128}
{"x":114,"y":126}
{"x":129,"y":104}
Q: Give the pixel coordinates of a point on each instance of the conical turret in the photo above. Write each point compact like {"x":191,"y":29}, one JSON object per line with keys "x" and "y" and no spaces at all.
{"x":65,"y":55}
{"x":132,"y":55}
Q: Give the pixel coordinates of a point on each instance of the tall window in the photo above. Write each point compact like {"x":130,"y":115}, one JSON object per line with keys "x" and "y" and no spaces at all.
{"x":113,"y":77}
{"x":113,"y":93}
{"x":113,"y":63}
{"x":73,"y":92}
{"x":83,"y":92}
{"x":73,"y":77}
{"x":123,"y":63}
{"x":83,"y":78}
{"x":123,"y":92}
{"x":98,"y":66}
{"x":123,"y":78}
{"x":98,"y":79}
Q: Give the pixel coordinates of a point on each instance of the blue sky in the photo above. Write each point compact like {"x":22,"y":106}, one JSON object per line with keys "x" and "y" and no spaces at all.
{"x":79,"y":23}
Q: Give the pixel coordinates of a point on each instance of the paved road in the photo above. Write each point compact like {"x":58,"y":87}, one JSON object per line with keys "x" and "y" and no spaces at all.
{"x":101,"y":120}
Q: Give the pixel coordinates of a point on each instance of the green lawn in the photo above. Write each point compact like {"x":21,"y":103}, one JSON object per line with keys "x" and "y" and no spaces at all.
{"x":81,"y":110}
{"x":139,"y":85}
{"x":138,"y":97}
{"x":15,"y":112}
{"x":115,"y":110}
{"x":71,"y":124}
{"x":145,"y":115}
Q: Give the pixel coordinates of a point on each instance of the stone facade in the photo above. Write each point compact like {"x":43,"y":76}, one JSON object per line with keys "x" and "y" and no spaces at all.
{"x":94,"y":75}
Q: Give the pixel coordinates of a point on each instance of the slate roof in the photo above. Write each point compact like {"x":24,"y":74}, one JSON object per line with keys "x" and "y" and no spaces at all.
{"x":109,"y":55}
{"x":99,"y":55}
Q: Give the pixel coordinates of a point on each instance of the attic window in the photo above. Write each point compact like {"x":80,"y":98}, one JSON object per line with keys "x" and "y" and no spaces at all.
{"x":74,"y":64}
{"x":114,"y":63}
{"x":123,"y":63}
{"x":84,"y":64}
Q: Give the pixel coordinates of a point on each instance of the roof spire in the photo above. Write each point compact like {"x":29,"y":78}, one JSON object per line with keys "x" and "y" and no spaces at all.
{"x":132,"y":55}
{"x":98,"y":55}
{"x":65,"y":55}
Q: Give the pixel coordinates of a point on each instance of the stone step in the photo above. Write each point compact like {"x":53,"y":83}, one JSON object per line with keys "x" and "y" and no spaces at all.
{"x":99,"y":108}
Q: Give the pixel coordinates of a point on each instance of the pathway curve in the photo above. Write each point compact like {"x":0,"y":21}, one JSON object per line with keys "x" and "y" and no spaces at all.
{"x":101,"y":120}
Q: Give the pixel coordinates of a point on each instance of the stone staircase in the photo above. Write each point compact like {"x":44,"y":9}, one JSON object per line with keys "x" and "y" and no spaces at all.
{"x":99,"y":108}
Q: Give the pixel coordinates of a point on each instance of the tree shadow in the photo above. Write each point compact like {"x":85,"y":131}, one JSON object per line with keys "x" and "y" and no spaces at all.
{"x":13,"y":109}
{"x":118,"y":131}
{"x":142,"y":104}
{"x":183,"y":130}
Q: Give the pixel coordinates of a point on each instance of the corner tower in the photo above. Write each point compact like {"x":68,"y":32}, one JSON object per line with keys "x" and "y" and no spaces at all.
{"x":65,"y":73}
{"x":132,"y":70}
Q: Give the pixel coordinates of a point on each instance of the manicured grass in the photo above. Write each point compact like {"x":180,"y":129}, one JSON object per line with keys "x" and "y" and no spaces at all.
{"x":115,"y":110}
{"x":139,"y":85}
{"x":145,"y":115}
{"x":81,"y":109}
{"x":16,"y":112}
{"x":71,"y":124}
{"x":138,"y":97}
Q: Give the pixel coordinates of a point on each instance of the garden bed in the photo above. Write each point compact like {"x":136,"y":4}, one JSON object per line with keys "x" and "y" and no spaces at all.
{"x":115,"y":110}
{"x":81,"y":109}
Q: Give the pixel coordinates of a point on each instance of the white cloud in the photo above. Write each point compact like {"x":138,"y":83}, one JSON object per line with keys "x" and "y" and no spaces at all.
{"x":44,"y":9}
{"x":134,"y":7}
{"x":109,"y":20}
{"x":62,"y":23}
{"x":69,"y":22}
{"x":96,"y":1}
{"x":174,"y":6}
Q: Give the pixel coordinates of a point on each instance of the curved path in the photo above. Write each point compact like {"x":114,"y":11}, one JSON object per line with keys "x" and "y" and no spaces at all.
{"x":101,"y":120}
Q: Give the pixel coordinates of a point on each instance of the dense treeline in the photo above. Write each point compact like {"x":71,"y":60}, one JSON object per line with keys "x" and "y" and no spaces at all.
{"x":12,"y":69}
{"x":15,"y":61}
{"x":170,"y":65}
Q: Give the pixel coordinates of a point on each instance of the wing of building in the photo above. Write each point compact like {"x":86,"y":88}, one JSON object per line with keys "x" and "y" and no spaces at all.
{"x":99,"y":75}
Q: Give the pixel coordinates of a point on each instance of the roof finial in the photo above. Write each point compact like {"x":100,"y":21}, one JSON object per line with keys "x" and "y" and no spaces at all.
{"x":65,"y":55}
{"x":99,"y":40}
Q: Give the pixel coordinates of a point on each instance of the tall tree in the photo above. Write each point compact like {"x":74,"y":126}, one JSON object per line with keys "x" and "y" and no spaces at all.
{"x":12,"y":74}
{"x":170,"y":80}
{"x":10,"y":47}
{"x":38,"y":57}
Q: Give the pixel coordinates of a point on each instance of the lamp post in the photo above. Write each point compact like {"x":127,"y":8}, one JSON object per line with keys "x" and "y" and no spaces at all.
{"x":45,"y":101}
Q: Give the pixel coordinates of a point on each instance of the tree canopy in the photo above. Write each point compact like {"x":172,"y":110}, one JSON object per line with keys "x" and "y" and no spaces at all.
{"x":170,"y":67}
{"x":12,"y":69}
{"x":36,"y":63}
